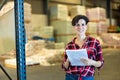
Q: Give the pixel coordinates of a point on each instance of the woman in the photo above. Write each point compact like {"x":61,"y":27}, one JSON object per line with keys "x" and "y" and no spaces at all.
{"x":93,"y":48}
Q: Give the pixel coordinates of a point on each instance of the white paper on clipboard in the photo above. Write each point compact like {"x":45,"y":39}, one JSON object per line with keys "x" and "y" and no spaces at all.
{"x":75,"y":55}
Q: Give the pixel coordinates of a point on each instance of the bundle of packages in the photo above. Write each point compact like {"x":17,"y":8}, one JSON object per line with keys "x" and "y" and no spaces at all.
{"x":34,"y":46}
{"x":29,"y":30}
{"x":76,"y":10}
{"x":102,"y":27}
{"x":46,"y":32}
{"x":27,"y":15}
{"x":27,"y":20}
{"x":58,"y":12}
{"x":92,"y":28}
{"x":97,"y":27}
{"x":27,"y":12}
{"x":96,"y":14}
{"x":7,"y":7}
{"x":111,"y":39}
{"x":48,"y":57}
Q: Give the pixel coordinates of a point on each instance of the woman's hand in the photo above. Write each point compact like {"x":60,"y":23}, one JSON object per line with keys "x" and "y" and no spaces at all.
{"x":66,"y":64}
{"x":89,"y":62}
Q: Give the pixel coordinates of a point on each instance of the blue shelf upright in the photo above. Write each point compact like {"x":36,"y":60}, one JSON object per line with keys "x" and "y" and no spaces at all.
{"x":20,"y":39}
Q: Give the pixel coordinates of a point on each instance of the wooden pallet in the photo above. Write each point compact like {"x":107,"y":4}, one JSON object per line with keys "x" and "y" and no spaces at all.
{"x":111,"y":46}
{"x":14,"y":66}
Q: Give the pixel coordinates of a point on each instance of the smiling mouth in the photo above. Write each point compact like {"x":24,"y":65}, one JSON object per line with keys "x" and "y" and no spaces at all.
{"x":80,"y":30}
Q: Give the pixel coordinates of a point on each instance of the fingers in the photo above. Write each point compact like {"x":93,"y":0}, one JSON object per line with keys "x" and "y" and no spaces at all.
{"x":67,"y":60}
{"x":85,"y":61}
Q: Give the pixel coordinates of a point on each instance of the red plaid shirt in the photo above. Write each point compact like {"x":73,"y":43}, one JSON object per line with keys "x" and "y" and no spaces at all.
{"x":94,"y":51}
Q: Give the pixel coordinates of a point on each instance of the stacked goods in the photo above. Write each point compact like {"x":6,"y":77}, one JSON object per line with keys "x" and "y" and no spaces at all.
{"x":64,"y":38}
{"x":102,"y":27}
{"x":59,"y":45}
{"x":92,"y":28}
{"x":97,"y":27}
{"x":33,"y":46}
{"x":27,"y":12}
{"x":46,"y":32}
{"x":62,"y":27}
{"x":7,"y":31}
{"x":58,"y":12}
{"x":113,"y":22}
{"x":27,"y":15}
{"x":28,"y":29}
{"x":63,"y":30}
{"x":27,"y":20}
{"x":68,"y":1}
{"x":12,"y":62}
{"x":111,"y":39}
{"x":115,"y":6}
{"x":38,"y":23}
{"x":39,"y":20}
{"x":45,"y":57}
{"x":96,"y":14}
{"x":7,"y":7}
{"x":97,"y":17}
{"x":76,"y":10}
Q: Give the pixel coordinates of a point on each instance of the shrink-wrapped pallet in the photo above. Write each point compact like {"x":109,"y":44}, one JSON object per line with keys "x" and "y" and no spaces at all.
{"x":58,"y":12}
{"x":39,"y":20}
{"x":68,"y":1}
{"x":96,"y":14}
{"x":97,"y":27}
{"x":113,"y":22}
{"x":76,"y":10}
{"x":111,"y":39}
{"x":33,"y":46}
{"x":64,"y":38}
{"x":7,"y":7}
{"x":59,"y":45}
{"x":62,"y":27}
{"x":92,"y":28}
{"x":29,"y":30}
{"x":46,"y":32}
{"x":102,"y":27}
{"x":11,"y":63}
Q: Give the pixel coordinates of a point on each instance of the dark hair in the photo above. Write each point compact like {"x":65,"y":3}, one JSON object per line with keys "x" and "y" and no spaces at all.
{"x":77,"y":18}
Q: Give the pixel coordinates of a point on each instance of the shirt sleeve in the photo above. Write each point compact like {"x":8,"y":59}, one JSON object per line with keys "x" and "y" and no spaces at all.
{"x":64,"y":60}
{"x":99,"y":56}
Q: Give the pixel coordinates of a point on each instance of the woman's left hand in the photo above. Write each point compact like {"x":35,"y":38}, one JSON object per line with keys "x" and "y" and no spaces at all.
{"x":88,"y":61}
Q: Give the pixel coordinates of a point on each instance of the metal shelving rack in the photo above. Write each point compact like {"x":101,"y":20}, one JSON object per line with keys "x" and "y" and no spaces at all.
{"x":20,"y":39}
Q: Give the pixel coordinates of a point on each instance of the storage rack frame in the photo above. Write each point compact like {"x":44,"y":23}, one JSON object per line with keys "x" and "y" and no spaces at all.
{"x":20,"y":39}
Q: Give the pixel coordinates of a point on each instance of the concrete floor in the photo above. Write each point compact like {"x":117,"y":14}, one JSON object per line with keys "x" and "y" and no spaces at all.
{"x":110,"y":71}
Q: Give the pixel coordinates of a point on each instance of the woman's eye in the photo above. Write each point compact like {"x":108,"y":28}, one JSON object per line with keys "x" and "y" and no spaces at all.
{"x":77,"y":24}
{"x":82,"y":24}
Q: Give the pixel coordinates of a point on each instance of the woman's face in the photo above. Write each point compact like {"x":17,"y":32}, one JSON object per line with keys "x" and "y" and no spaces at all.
{"x":81,"y":27}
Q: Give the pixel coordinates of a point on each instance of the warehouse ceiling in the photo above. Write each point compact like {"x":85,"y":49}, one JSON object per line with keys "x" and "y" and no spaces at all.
{"x":88,"y":0}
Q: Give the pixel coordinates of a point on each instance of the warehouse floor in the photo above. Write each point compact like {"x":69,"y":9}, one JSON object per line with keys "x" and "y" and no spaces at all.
{"x":110,"y":71}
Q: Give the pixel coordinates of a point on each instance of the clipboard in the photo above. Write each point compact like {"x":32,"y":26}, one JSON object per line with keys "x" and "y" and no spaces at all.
{"x":75,"y":55}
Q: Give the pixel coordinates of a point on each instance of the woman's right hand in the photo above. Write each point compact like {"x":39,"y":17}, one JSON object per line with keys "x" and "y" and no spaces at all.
{"x":67,"y":60}
{"x":66,"y":64}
